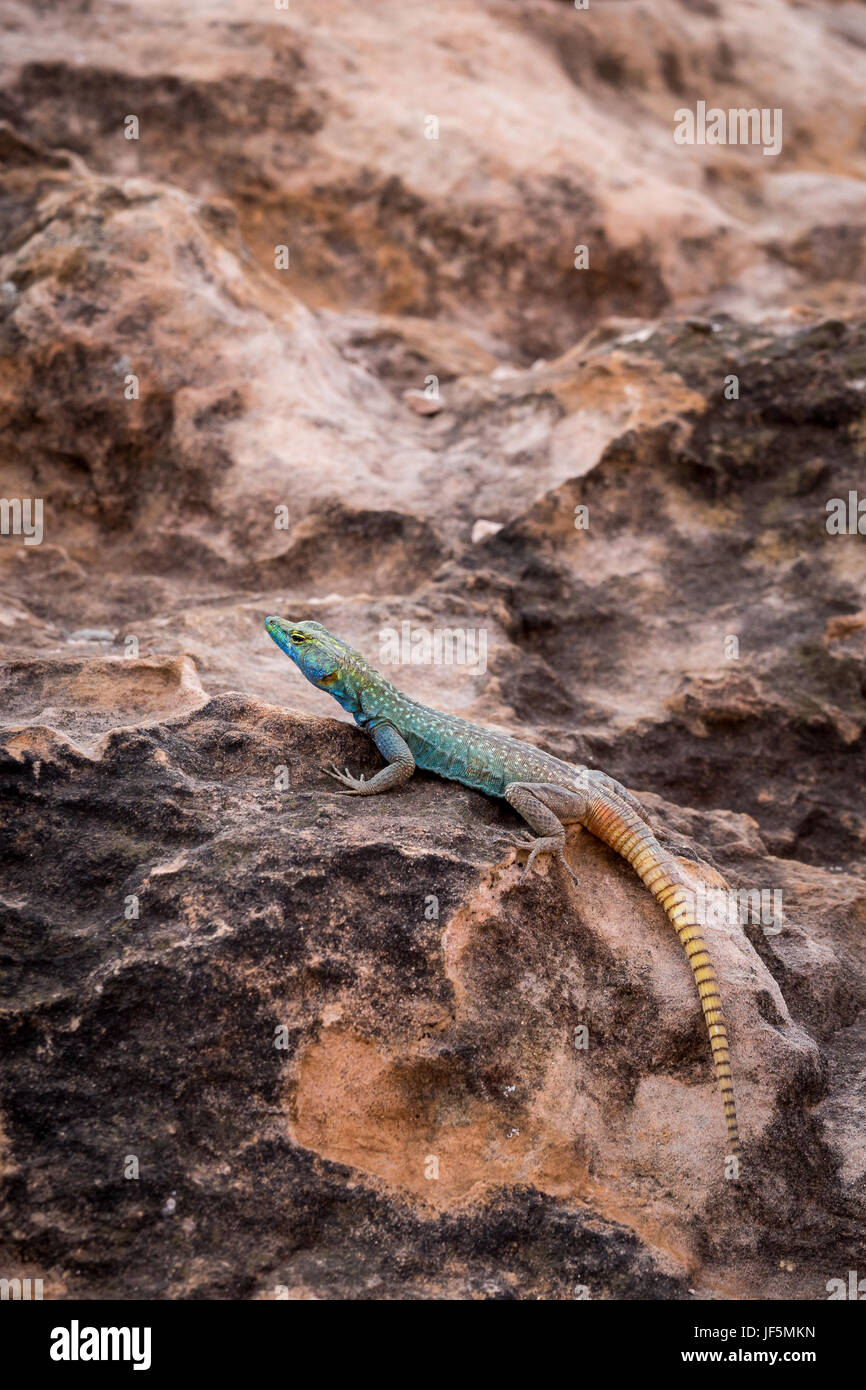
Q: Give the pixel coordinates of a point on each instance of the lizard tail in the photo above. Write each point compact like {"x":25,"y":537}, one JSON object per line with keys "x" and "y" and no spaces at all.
{"x":613,"y":820}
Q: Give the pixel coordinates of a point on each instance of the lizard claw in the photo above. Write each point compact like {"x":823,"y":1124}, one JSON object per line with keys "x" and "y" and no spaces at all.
{"x":538,"y":846}
{"x":568,"y":869}
{"x":354,"y":785}
{"x":527,"y":868}
{"x":519,"y":841}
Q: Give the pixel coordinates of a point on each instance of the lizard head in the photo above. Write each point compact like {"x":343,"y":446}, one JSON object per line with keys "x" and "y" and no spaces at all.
{"x":325,"y":660}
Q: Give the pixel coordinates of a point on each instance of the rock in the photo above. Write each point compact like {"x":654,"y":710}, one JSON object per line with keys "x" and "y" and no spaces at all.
{"x":284,"y":992}
{"x":332,"y":1038}
{"x":422,"y":404}
{"x":481,"y":529}
{"x":92,"y":634}
{"x":92,"y":696}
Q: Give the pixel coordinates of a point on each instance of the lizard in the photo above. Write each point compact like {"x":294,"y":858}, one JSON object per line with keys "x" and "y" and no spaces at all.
{"x":548,"y":793}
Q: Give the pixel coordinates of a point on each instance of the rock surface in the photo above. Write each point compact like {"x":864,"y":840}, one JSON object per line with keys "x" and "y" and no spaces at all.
{"x":290,"y":1010}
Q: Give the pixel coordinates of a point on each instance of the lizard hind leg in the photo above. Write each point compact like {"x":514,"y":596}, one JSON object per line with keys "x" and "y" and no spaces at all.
{"x":546,"y":808}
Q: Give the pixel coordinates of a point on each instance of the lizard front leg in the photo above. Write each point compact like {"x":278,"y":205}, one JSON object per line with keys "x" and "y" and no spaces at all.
{"x":396,"y":752}
{"x":548,"y":809}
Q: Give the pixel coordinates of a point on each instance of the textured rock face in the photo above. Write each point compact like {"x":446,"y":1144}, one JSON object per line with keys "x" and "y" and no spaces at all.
{"x":341,"y":1047}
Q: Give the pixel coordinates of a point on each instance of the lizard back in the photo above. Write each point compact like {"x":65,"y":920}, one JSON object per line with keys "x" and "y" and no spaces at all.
{"x":462,"y":751}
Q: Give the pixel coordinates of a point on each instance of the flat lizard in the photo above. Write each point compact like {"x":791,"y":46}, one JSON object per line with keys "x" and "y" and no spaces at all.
{"x":549,"y":794}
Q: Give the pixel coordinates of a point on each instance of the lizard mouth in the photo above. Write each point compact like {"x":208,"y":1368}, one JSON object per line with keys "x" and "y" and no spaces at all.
{"x":274,"y":627}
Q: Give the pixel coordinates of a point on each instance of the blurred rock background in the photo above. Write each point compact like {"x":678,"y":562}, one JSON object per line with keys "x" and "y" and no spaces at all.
{"x":146,"y":713}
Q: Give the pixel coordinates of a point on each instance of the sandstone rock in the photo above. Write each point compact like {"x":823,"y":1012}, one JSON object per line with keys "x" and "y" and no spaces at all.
{"x":291,"y":1036}
{"x":284,"y":1017}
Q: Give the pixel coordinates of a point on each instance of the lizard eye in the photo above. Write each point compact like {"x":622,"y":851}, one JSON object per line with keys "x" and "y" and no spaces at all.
{"x":300,"y":636}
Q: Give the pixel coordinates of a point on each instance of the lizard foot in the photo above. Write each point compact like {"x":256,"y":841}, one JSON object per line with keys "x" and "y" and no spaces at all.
{"x":547,"y":844}
{"x":353,"y":784}
{"x":519,"y":841}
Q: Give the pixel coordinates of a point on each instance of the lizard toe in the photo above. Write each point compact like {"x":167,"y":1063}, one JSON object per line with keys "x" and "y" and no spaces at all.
{"x":568,"y":869}
{"x":344,"y":778}
{"x":519,"y":841}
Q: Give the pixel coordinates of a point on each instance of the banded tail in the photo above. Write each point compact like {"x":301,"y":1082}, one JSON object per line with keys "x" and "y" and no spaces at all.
{"x":613,"y":820}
